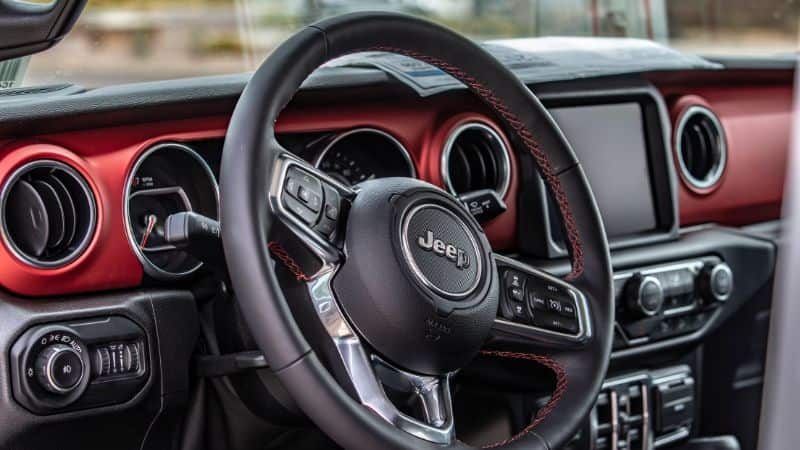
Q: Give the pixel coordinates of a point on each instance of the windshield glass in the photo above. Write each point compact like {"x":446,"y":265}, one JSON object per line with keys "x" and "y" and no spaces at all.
{"x":120,"y":41}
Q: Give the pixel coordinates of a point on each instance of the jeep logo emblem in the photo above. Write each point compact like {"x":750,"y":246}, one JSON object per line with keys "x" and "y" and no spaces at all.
{"x":439,"y":247}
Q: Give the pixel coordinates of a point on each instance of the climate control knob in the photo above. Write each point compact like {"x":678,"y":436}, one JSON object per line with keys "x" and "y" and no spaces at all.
{"x":645,"y":296}
{"x":716,"y":282}
{"x":59,"y":369}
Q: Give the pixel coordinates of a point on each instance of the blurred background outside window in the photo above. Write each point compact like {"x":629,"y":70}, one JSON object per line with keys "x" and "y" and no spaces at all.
{"x":119,"y":41}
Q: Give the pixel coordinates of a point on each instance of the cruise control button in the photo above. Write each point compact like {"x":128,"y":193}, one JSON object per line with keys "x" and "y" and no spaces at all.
{"x":332,"y":203}
{"x":292,"y":186}
{"x":568,"y":309}
{"x":537,"y":301}
{"x":326,"y":227}
{"x":307,"y":182}
{"x":311,"y":199}
{"x":331,"y":211}
{"x":516,"y":294}
{"x":298,"y":209}
{"x":555,"y":322}
{"x":519,"y":311}
{"x":515,"y":279}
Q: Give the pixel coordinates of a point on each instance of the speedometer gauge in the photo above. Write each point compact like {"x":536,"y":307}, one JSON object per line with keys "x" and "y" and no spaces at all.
{"x":169,"y":178}
{"x":363,"y":154}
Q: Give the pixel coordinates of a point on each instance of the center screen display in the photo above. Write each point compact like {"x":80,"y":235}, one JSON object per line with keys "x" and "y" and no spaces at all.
{"x":610,"y":144}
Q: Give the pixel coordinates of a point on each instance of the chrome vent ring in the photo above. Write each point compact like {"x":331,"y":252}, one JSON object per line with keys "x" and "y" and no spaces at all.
{"x":475,"y":157}
{"x":701,"y":147}
{"x":49,"y":214}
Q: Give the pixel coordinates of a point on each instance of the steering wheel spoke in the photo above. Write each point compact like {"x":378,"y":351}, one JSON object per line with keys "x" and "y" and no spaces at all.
{"x":541,"y":308}
{"x":310,"y":204}
{"x":379,"y":385}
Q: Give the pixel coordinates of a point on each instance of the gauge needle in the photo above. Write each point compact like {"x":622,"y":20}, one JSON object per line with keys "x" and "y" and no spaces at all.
{"x":151,"y":223}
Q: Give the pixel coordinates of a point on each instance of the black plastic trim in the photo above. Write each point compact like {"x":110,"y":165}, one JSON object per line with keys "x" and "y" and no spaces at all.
{"x":123,"y":425}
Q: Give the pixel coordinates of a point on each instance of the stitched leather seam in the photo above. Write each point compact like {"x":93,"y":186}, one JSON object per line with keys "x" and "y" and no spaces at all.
{"x":555,"y":397}
{"x":283,"y":256}
{"x":541,"y":158}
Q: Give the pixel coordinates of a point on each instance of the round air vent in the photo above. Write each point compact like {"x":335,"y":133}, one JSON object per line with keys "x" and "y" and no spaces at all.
{"x":48,"y":214}
{"x":475,"y":158}
{"x":700,"y":143}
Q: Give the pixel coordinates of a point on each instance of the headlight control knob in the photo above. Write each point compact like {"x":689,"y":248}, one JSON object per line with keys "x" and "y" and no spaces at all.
{"x":59,"y":369}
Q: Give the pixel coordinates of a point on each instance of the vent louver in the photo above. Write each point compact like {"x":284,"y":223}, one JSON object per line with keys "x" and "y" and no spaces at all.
{"x":701,"y":147}
{"x":48,"y":214}
{"x":475,"y":158}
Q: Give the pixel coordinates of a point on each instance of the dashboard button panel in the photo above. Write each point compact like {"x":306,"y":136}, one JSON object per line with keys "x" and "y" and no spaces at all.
{"x":680,"y":301}
{"x":69,"y":366}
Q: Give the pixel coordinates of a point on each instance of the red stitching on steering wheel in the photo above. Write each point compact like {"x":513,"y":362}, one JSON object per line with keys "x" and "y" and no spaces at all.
{"x":282,"y":255}
{"x":558,"y":393}
{"x":542,"y":160}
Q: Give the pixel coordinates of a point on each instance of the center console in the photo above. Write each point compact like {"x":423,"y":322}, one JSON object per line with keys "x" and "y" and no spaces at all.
{"x":643,"y":410}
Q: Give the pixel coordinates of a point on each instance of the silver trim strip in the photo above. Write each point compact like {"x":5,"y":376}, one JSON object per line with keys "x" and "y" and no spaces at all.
{"x":92,"y":228}
{"x":434,"y":392}
{"x":150,"y":268}
{"x":718,"y":168}
{"x":505,"y":159}
{"x":675,"y":436}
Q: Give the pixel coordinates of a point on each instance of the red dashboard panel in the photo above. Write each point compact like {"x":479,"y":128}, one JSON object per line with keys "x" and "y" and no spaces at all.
{"x":757,"y":124}
{"x":105,"y":157}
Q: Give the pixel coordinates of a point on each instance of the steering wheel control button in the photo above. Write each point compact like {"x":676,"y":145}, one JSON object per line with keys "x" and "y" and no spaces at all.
{"x":311,"y":199}
{"x":291,"y":186}
{"x":330,"y":216}
{"x":441,"y":251}
{"x":555,"y":322}
{"x":517,"y":294}
{"x":59,"y":368}
{"x":515,"y":279}
{"x":301,"y":211}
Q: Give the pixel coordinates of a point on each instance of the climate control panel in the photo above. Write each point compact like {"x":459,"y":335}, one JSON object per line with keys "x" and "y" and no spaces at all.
{"x":670,"y":300}
{"x":75,"y":365}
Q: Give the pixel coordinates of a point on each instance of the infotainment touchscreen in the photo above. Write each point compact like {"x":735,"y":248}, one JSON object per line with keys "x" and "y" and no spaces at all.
{"x":610,"y":143}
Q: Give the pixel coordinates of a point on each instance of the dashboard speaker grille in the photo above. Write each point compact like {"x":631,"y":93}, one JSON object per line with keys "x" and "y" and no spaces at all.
{"x":475,"y":158}
{"x":48,"y":214}
{"x":701,"y":147}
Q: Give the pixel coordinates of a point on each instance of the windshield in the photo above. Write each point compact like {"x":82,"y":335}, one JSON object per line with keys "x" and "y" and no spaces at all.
{"x":120,"y":41}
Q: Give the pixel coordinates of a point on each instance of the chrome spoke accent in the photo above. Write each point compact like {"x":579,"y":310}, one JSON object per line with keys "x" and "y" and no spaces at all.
{"x":541,"y":307}
{"x":369,"y":374}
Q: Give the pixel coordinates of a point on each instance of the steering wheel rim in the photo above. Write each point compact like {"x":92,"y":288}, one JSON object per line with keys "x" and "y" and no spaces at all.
{"x":249,"y":214}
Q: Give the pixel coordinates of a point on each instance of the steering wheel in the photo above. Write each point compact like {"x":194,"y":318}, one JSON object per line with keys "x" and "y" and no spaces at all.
{"x":397,"y":285}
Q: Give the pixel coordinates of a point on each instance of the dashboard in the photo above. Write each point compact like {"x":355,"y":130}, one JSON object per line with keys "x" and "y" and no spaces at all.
{"x":675,"y":161}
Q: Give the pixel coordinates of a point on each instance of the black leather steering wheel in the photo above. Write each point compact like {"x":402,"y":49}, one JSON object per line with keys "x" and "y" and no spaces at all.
{"x":405,"y":290}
